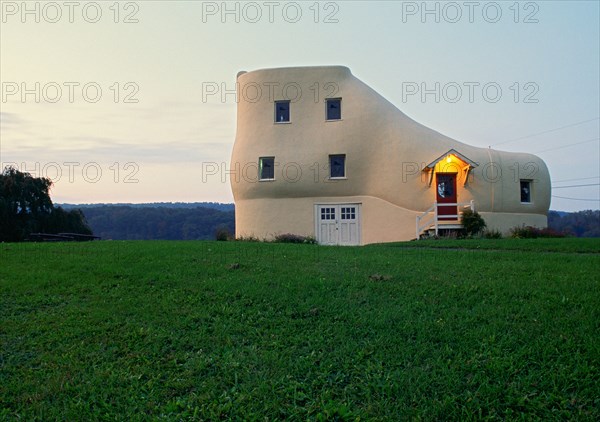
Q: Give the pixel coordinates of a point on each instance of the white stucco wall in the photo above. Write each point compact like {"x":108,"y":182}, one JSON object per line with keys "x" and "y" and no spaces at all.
{"x":385,"y":151}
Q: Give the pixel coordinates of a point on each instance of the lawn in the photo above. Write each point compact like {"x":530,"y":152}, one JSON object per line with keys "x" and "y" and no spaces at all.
{"x":451,"y":330}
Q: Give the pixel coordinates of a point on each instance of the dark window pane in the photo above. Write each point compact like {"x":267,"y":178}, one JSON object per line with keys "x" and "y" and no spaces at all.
{"x":327,"y":213}
{"x":445,"y":185}
{"x":348,"y":213}
{"x":267,"y":168}
{"x":334,"y":109}
{"x":282,"y":111}
{"x":525,"y":191}
{"x":337,"y":165}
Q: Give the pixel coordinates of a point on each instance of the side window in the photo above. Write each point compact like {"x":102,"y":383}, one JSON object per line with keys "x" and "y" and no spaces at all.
{"x":525,"y":191}
{"x":266,"y":168}
{"x":282,"y":111}
{"x":337,"y":166}
{"x":334,"y":108}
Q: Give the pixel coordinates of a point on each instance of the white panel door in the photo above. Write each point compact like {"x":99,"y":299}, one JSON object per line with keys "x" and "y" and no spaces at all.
{"x":327,"y":225}
{"x":348,"y":225}
{"x":338,"y":224}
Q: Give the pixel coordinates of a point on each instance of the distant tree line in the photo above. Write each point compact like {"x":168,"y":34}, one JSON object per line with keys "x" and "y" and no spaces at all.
{"x":126,"y":222}
{"x":216,"y":205}
{"x":579,"y":224}
{"x":26,"y":207}
{"x":203,"y":222}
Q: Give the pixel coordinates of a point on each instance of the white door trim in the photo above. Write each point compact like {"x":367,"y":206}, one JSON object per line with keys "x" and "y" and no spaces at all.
{"x":338,"y":207}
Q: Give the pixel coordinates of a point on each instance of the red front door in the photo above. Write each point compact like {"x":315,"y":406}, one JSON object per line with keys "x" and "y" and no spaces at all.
{"x":446,"y":194}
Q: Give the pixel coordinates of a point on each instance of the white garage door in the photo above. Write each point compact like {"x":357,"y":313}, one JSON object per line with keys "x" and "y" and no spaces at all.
{"x":338,"y":224}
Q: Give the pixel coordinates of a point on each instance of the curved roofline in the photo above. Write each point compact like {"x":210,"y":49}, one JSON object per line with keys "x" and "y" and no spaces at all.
{"x":339,"y":67}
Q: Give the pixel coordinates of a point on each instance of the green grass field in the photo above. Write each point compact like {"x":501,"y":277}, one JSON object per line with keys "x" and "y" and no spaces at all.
{"x":432,"y":330}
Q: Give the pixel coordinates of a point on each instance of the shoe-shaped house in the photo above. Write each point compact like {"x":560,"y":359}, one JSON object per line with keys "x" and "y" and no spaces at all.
{"x":319,"y":153}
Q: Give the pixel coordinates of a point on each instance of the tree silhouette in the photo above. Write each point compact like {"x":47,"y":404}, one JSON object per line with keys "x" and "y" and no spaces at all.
{"x":26,"y":207}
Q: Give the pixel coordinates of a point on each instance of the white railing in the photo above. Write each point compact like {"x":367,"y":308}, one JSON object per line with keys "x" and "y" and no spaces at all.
{"x":430,"y":218}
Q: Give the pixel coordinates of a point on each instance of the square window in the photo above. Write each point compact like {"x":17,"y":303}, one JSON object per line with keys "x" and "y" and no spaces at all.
{"x":327,"y":213}
{"x":525,"y":191}
{"x":282,"y":111}
{"x":266,"y":168}
{"x":348,"y":213}
{"x":337,"y":166}
{"x":334,"y":109}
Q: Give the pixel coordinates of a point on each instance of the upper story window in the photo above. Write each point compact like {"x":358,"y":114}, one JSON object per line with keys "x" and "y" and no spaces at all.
{"x":337,"y":166}
{"x":282,"y":111}
{"x":266,"y":168}
{"x":334,"y":108}
{"x":525,"y":191}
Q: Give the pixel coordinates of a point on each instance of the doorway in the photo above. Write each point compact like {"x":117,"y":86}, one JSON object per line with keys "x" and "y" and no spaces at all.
{"x":446,"y":194}
{"x":338,"y":224}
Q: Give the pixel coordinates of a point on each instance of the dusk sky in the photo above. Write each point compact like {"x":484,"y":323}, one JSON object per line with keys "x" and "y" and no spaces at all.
{"x":110,"y":99}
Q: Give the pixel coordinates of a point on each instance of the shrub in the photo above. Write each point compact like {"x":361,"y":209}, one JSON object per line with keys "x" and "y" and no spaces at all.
{"x":492,"y":234}
{"x":248,"y":239}
{"x":294,"y":238}
{"x":222,"y":233}
{"x":449,"y":234}
{"x":530,"y":232}
{"x":472,"y":222}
